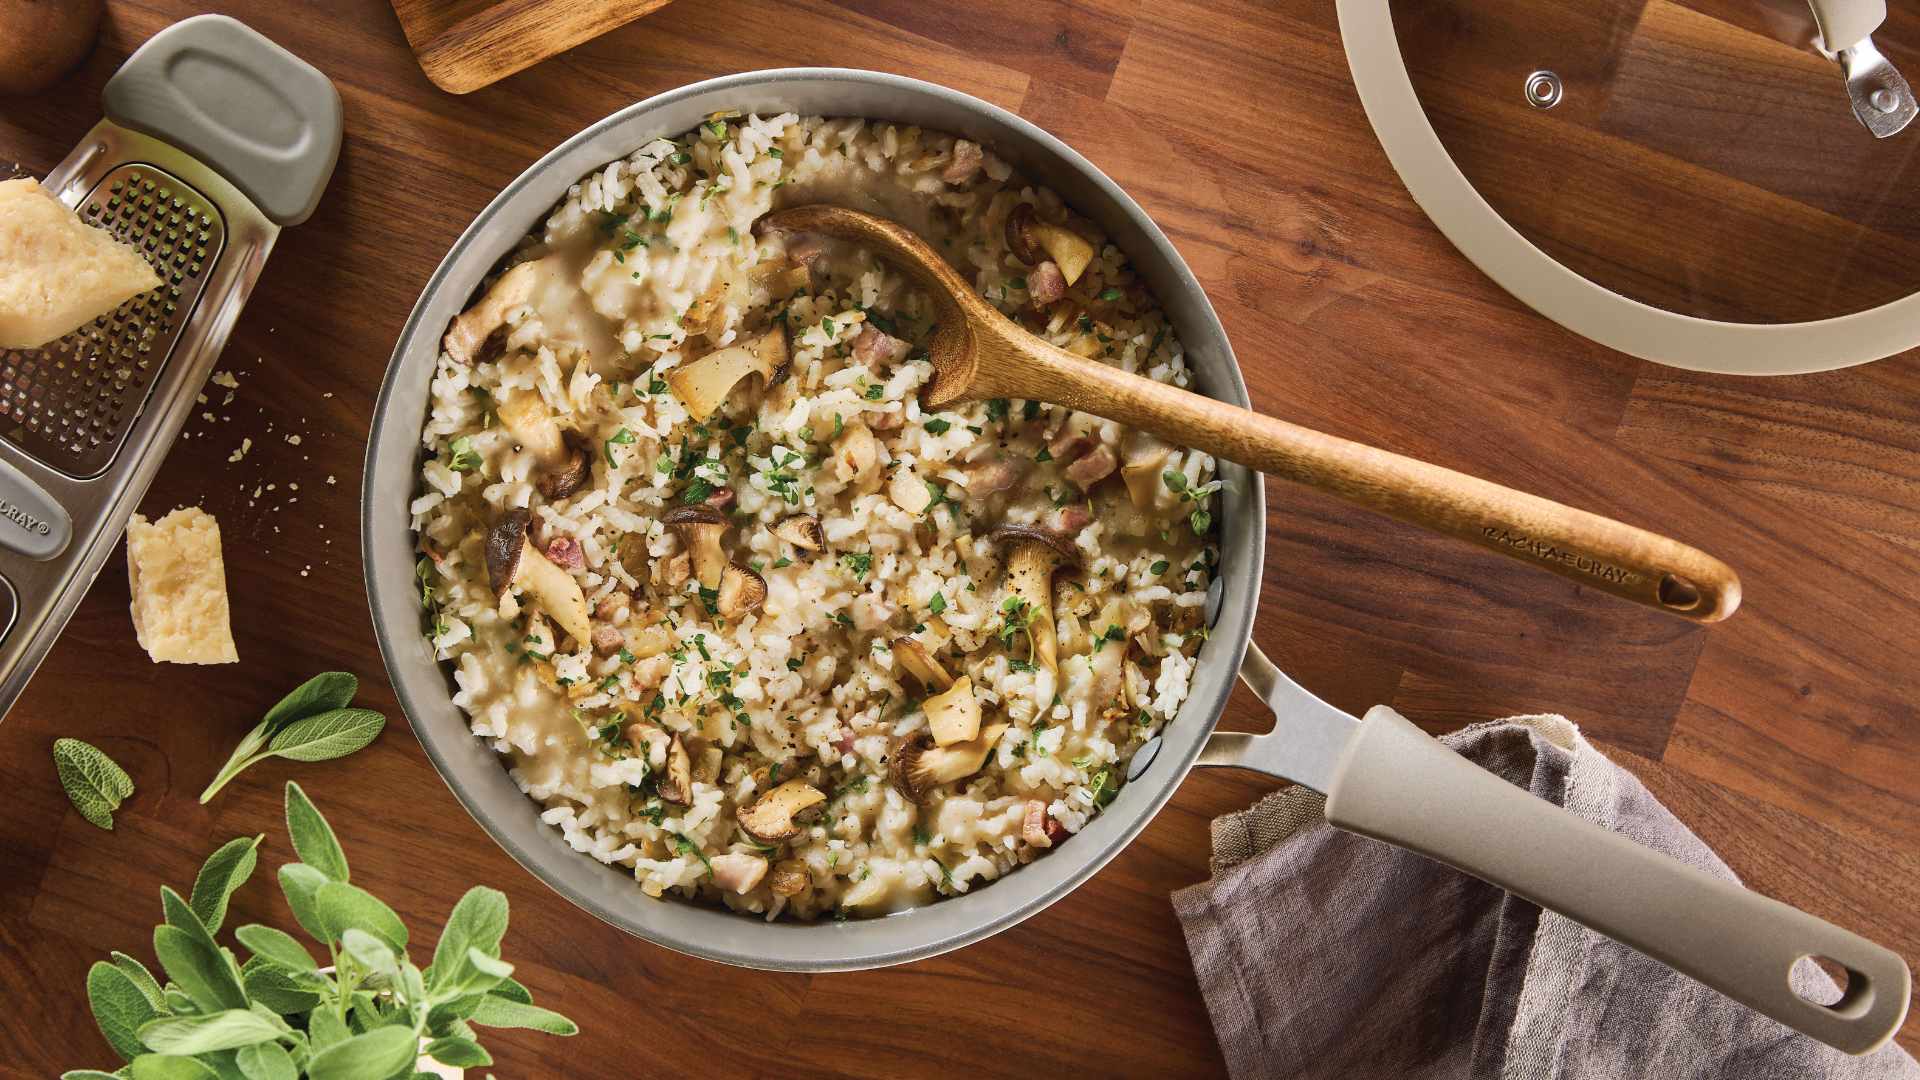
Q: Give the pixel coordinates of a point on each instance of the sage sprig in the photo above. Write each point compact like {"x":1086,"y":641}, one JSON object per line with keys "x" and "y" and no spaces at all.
{"x":311,"y":724}
{"x":280,"y":1015}
{"x":94,"y":783}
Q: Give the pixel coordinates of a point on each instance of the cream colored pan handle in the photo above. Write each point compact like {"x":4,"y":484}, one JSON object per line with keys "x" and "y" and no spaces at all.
{"x":1386,"y":779}
{"x":1399,"y":785}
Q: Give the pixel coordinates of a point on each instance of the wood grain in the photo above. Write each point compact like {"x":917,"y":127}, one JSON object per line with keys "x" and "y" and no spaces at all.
{"x":1787,"y":736}
{"x":464,"y":45}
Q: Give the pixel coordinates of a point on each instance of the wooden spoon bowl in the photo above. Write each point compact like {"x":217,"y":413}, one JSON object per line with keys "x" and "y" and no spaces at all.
{"x":978,"y":353}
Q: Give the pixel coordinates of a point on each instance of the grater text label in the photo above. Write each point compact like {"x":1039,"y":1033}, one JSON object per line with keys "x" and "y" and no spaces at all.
{"x":23,"y":519}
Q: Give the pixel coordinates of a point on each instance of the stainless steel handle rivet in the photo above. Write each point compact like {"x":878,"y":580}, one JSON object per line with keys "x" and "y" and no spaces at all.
{"x":1543,"y":89}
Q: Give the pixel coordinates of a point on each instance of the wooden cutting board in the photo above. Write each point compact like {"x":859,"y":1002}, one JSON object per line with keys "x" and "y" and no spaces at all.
{"x":464,"y":45}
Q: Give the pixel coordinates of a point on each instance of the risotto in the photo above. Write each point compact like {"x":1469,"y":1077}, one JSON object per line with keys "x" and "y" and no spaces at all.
{"x":740,"y":615}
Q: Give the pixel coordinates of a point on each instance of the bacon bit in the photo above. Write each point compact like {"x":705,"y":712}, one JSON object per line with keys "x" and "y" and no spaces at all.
{"x":720,"y":499}
{"x":844,"y":744}
{"x":875,"y":345}
{"x":428,"y":550}
{"x":607,"y":608}
{"x":1056,"y":832}
{"x":1071,"y":443}
{"x":1073,"y":518}
{"x":564,"y":552}
{"x":1046,"y":284}
{"x":993,"y":475}
{"x":966,"y":163}
{"x":1033,"y":828}
{"x":607,"y":640}
{"x":1096,"y":466}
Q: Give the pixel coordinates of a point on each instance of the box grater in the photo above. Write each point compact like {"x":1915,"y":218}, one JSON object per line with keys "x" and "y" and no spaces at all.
{"x":214,"y":139}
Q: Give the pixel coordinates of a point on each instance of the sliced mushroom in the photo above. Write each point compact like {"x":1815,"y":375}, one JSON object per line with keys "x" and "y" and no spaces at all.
{"x":1140,"y":469}
{"x":1033,"y":241}
{"x":676,"y":780}
{"x":918,"y":766}
{"x":790,"y":878}
{"x":472,"y":336}
{"x":782,"y":277}
{"x":559,"y":481}
{"x":920,"y":663}
{"x":774,"y":816}
{"x":703,"y":384}
{"x":513,"y":562}
{"x":531,"y":422}
{"x":802,"y":531}
{"x":954,"y":714}
{"x":702,"y":529}
{"x":1133,"y":682}
{"x":1032,"y":556}
{"x":741,"y":590}
{"x":737,"y":871}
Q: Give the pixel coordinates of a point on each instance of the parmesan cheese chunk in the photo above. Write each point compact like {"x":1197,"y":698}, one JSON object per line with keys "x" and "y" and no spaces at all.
{"x":179,"y":585}
{"x":58,"y":273}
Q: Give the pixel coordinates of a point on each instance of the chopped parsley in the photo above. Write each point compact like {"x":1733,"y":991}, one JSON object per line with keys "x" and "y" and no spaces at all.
{"x":937,"y":605}
{"x":1109,"y":293}
{"x":623,"y":437}
{"x":462,"y":457}
{"x":997,"y":408}
{"x":858,"y":563}
{"x":1159,"y":567}
{"x":937,"y":426}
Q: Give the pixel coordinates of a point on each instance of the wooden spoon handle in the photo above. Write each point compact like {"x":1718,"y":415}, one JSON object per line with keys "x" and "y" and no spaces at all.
{"x":1596,"y":551}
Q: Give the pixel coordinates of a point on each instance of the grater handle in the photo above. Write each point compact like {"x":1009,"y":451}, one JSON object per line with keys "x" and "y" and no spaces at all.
{"x":262,"y":117}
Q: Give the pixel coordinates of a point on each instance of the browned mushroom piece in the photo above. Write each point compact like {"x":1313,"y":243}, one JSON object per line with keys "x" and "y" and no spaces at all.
{"x":676,"y":780}
{"x":921,"y":664}
{"x":1033,"y":241}
{"x":953,"y":715}
{"x":703,"y":385}
{"x":513,"y":562}
{"x":775,"y":816}
{"x":1032,"y":555}
{"x":790,"y":878}
{"x":476,"y":333}
{"x":741,"y":590}
{"x":571,"y":473}
{"x":702,"y":529}
{"x":1140,"y":468}
{"x":802,"y":531}
{"x":916,"y":766}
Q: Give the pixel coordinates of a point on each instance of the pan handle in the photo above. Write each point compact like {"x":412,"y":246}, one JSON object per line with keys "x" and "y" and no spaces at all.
{"x":1393,"y":782}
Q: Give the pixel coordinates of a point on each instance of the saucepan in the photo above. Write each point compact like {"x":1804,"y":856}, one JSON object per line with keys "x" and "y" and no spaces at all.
{"x":1383,"y":776}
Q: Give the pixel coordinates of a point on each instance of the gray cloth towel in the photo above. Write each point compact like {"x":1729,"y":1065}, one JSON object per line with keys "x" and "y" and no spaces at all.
{"x":1325,"y":954}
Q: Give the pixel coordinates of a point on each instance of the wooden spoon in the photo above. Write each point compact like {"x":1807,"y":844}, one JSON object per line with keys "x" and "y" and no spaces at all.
{"x":979,"y":353}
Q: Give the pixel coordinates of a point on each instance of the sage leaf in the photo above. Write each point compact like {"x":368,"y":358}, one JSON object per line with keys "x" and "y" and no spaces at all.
{"x":328,"y":735}
{"x":342,"y":907}
{"x":458,"y":1052}
{"x":228,"y":1029}
{"x":325,"y":1029}
{"x":88,"y":1074}
{"x":221,"y":876}
{"x":477,"y":921}
{"x":327,"y":690}
{"x":322,"y":693}
{"x":300,"y":882}
{"x":499,"y":1012}
{"x":178,"y":1003}
{"x":170,"y":1067}
{"x":266,"y":1061}
{"x":119,"y":1006}
{"x":312,"y":837}
{"x":94,"y":783}
{"x":276,"y":947}
{"x":142,"y":978}
{"x":380,"y":1052}
{"x":372,"y":954}
{"x":278,"y":989}
{"x":192,"y":958}
{"x":512,"y":991}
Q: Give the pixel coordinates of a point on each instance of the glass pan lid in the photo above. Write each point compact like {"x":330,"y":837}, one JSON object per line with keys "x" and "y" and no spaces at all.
{"x":1700,"y":157}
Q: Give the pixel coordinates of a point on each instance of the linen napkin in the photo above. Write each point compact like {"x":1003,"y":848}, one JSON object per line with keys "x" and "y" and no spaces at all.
{"x":1325,"y":954}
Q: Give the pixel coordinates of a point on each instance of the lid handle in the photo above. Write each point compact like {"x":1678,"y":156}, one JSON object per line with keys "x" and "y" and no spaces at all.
{"x":265,"y":119}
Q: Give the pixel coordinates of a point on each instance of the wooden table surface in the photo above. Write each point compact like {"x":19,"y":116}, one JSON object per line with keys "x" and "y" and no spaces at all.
{"x":1787,"y":737}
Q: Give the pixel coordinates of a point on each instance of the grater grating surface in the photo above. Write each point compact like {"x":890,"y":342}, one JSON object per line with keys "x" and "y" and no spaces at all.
{"x":72,"y":403}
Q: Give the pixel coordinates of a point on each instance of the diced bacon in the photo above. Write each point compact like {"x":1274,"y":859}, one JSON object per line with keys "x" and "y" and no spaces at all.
{"x":844,"y":743}
{"x":564,"y":552}
{"x":607,"y":640}
{"x":1095,"y":466}
{"x":1073,"y":518}
{"x":1033,"y":828}
{"x":967,"y":159}
{"x":608,"y":607}
{"x":1045,"y":283}
{"x":993,"y":475}
{"x":1071,"y":443}
{"x":720,"y":499}
{"x":1056,"y":832}
{"x":875,"y":346}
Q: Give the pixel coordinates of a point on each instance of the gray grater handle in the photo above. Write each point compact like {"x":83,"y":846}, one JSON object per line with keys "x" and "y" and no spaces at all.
{"x":265,"y":119}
